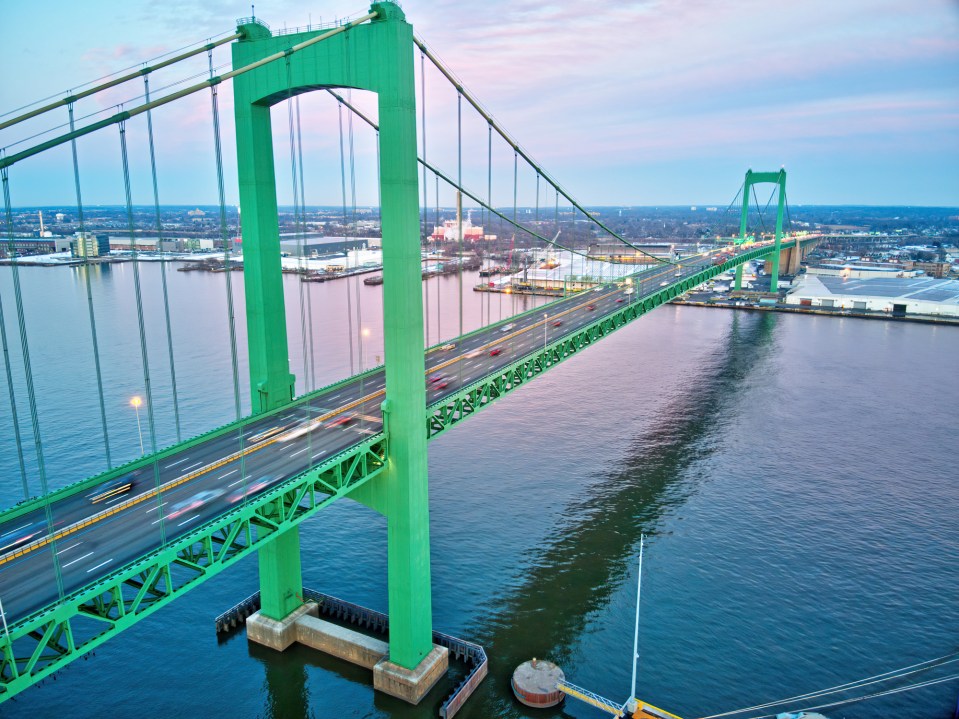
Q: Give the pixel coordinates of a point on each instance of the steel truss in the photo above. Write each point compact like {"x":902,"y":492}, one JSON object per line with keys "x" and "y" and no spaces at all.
{"x":46,"y":641}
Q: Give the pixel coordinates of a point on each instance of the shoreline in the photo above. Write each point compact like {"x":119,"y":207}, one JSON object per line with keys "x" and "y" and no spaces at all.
{"x":857,"y":314}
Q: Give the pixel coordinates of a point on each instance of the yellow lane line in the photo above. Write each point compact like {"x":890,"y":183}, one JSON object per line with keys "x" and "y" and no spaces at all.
{"x":133,"y":501}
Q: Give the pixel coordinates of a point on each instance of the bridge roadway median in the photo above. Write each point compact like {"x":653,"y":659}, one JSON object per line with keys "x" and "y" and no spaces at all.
{"x":188,"y":488}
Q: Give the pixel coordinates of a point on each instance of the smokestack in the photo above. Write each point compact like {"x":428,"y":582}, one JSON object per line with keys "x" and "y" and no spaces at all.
{"x":41,"y":223}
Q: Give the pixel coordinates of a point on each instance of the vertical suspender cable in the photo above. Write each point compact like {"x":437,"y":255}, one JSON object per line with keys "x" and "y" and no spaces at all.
{"x":163,"y":282}
{"x":309,"y":285}
{"x":8,"y":218}
{"x":515,"y":192}
{"x":459,"y":214}
{"x":439,"y":330}
{"x":227,"y":267}
{"x":144,"y":354}
{"x":297,"y":229}
{"x":227,"y":264}
{"x":349,"y":307}
{"x":31,"y":393}
{"x":89,"y":287}
{"x":425,"y":196}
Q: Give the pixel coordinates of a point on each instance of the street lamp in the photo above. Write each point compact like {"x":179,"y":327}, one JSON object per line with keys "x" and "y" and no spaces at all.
{"x":365,"y":332}
{"x":545,"y":317}
{"x":136,"y":401}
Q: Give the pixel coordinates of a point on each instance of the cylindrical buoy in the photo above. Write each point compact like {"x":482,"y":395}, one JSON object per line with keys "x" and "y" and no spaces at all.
{"x":534,"y":683}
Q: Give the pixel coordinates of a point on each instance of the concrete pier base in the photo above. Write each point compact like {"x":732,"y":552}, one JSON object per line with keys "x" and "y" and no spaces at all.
{"x":411,"y":685}
{"x":303,"y":625}
{"x":278,"y":634}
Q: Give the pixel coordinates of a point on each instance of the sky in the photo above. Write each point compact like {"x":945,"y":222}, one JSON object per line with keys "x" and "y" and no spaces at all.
{"x":648,"y":102}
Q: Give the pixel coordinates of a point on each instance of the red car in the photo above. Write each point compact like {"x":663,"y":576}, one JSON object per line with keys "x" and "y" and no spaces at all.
{"x":591,"y":307}
{"x":340,"y":421}
{"x":620,"y":300}
{"x":557,"y":323}
{"x":495,"y":352}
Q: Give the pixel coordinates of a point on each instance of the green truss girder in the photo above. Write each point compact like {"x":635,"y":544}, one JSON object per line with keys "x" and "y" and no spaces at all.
{"x":48,"y":640}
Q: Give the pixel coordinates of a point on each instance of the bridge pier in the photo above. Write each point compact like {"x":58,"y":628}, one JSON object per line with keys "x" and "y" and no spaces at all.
{"x":377,"y":56}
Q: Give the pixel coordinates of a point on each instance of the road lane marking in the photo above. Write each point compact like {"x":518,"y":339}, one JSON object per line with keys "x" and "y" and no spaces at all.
{"x":70,"y":547}
{"x":185,"y":459}
{"x":241,"y":479}
{"x":192,"y":466}
{"x":232,"y":471}
{"x":188,"y":520}
{"x":319,"y":454}
{"x":272,"y":440}
{"x":299,"y":451}
{"x":100,"y":565}
{"x":16,"y":530}
{"x":88,"y":554}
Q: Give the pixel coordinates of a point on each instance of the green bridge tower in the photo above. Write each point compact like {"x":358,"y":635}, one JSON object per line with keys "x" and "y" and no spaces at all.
{"x":758,"y":178}
{"x":376,"y":56}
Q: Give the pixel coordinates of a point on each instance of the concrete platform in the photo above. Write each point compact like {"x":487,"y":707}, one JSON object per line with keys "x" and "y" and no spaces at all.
{"x":280,"y":634}
{"x":411,"y":685}
{"x":303,"y":625}
{"x":341,"y":642}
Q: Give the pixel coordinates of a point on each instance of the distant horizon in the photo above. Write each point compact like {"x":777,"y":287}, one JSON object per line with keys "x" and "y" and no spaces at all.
{"x":629,"y":104}
{"x":688,"y":206}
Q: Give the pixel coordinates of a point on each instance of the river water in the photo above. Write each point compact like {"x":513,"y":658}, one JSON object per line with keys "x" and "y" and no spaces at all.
{"x":796,"y":478}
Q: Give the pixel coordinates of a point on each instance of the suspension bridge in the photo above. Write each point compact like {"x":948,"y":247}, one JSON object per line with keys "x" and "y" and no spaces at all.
{"x":175,"y":517}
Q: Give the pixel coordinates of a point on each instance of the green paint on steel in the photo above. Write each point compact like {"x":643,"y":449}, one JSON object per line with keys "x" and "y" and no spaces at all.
{"x":377,"y":57}
{"x":51,"y":638}
{"x":759,"y":178}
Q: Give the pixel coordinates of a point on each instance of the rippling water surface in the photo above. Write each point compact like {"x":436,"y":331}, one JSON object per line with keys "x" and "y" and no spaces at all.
{"x":796,"y":478}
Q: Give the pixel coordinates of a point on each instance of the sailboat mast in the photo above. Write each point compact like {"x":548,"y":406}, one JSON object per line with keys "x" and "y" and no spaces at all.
{"x":639,"y":589}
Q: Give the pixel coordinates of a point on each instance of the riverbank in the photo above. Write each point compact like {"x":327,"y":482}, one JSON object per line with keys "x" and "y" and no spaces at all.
{"x":861,"y":314}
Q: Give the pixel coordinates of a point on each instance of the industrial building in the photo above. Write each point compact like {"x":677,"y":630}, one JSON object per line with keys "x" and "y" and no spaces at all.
{"x":310,"y":245}
{"x":895,"y":296}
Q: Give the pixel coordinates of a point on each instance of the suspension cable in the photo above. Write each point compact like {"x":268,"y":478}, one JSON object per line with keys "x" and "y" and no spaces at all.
{"x":309,"y":285}
{"x":72,"y":98}
{"x":459,"y":204}
{"x":28,"y":372}
{"x":473,"y":196}
{"x":349,"y":305}
{"x":227,"y":251}
{"x":425,"y":199}
{"x":8,"y":220}
{"x":163,"y":278}
{"x":211,"y":82}
{"x":88,"y":282}
{"x":517,"y":148}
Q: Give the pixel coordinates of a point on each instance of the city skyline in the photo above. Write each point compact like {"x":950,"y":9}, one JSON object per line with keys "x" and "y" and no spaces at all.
{"x":633,"y":104}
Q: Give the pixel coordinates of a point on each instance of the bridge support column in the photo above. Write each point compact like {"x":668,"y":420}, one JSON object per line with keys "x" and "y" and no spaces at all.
{"x":739,"y":278}
{"x":406,"y":485}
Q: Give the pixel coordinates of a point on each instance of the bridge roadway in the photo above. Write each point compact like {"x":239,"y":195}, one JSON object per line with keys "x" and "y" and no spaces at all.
{"x":171,"y":497}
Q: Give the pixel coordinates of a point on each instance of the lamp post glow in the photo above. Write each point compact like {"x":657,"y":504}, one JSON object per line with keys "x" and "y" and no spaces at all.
{"x":545,"y":318}
{"x":136,"y":401}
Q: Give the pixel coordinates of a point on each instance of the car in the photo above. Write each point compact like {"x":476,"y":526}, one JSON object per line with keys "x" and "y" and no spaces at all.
{"x":507,"y":328}
{"x":599,"y":289}
{"x":664,"y":283}
{"x":448,"y":346}
{"x":474,"y":353}
{"x":591,"y":307}
{"x":438,"y":381}
{"x":558,"y":323}
{"x":109,"y":490}
{"x":252,"y":487}
{"x":21,"y":535}
{"x":341,"y":421}
{"x":194,"y":502}
{"x":620,"y":300}
{"x":495,"y":351}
